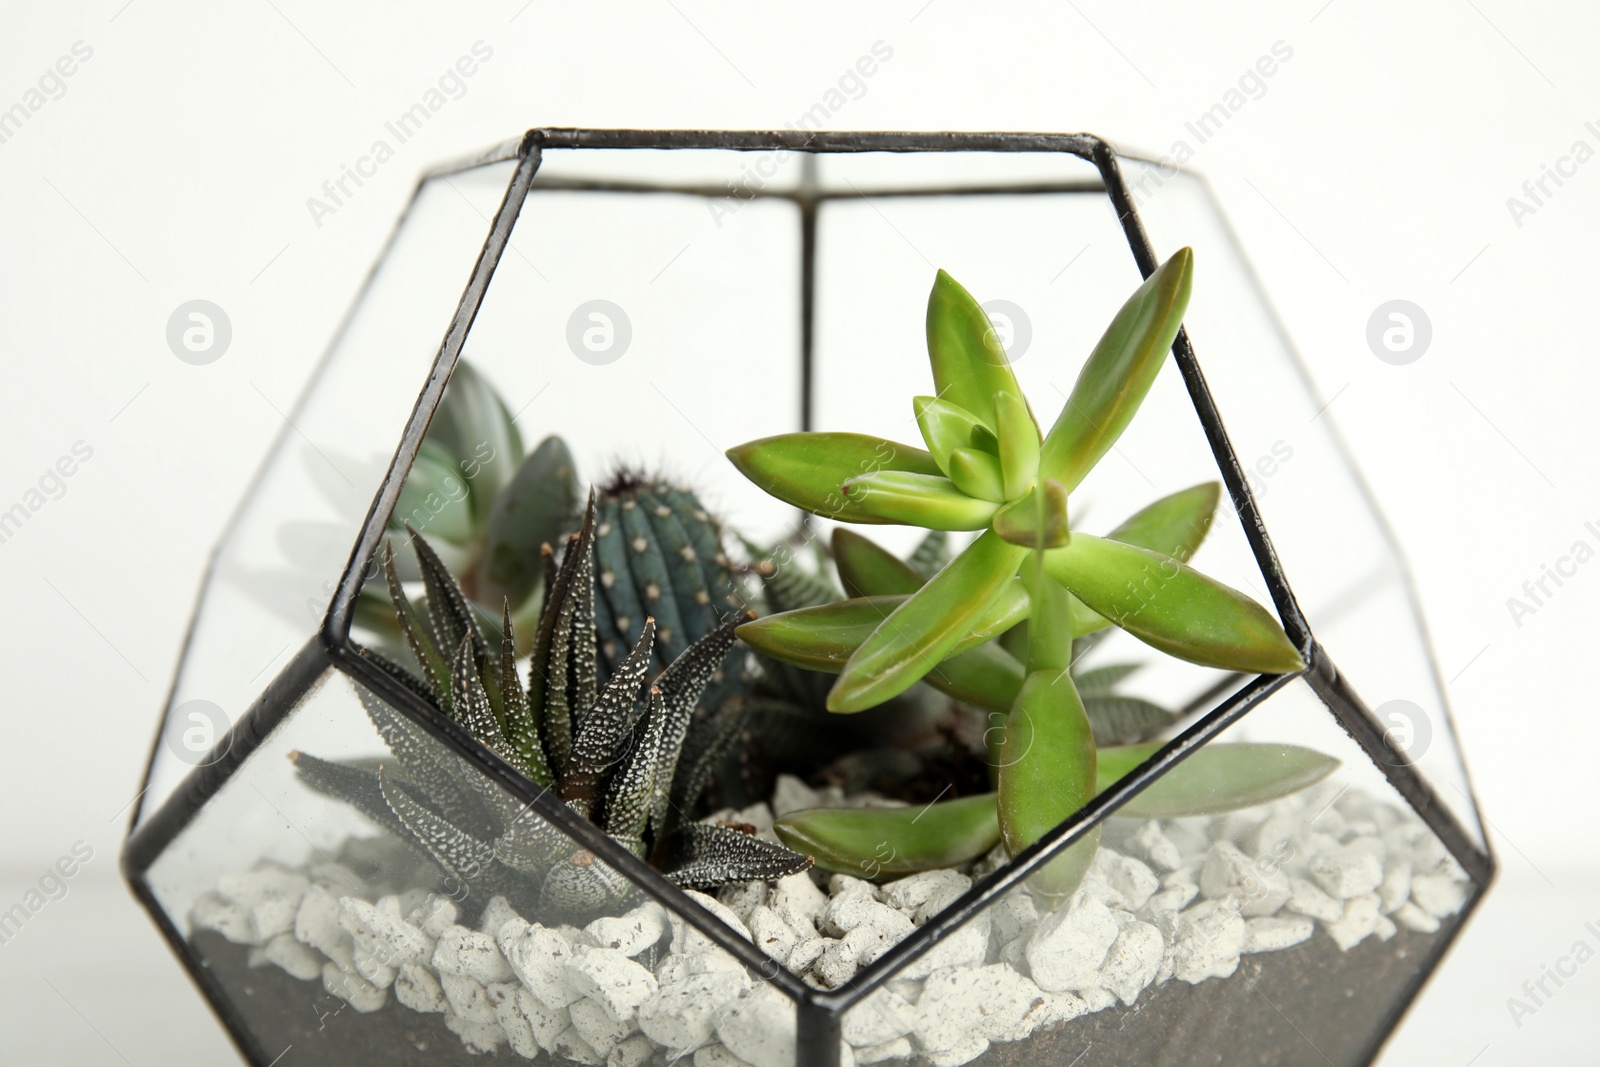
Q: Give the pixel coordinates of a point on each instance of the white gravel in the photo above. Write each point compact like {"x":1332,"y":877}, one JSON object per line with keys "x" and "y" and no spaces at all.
{"x":1164,"y":899}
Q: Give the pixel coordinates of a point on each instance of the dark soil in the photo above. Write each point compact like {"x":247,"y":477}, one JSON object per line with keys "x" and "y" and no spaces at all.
{"x":282,"y":1012}
{"x":1311,"y":1004}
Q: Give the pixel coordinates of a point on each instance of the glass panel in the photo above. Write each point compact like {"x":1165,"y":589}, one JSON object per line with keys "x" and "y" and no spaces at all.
{"x":1285,"y":931}
{"x":305,"y":890}
{"x":277,"y":565}
{"x":1348,"y":574}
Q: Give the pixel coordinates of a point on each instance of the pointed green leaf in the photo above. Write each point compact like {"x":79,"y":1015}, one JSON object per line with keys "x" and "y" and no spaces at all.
{"x":1218,"y":777}
{"x":1175,"y":525}
{"x":435,"y":497}
{"x":602,"y":734}
{"x":633,"y":787}
{"x":823,"y":638}
{"x":1019,"y":444}
{"x":1047,"y":772}
{"x":868,"y":569}
{"x":986,"y":677}
{"x":945,"y":427}
{"x":977,"y":474}
{"x":880,"y":843}
{"x":473,"y":425}
{"x":521,"y":724}
{"x":705,"y":855}
{"x":1172,"y":606}
{"x":1118,"y":373}
{"x":1021,"y":520}
{"x":808,"y":469}
{"x":927,"y":627}
{"x":930,"y":501}
{"x":534,"y":510}
{"x":969,"y":363}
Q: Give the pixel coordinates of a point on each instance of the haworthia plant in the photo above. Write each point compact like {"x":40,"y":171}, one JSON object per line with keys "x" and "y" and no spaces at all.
{"x":988,"y":468}
{"x":629,"y":756}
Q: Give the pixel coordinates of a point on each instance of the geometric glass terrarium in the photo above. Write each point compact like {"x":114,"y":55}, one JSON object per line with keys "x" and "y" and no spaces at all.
{"x":654,"y":299}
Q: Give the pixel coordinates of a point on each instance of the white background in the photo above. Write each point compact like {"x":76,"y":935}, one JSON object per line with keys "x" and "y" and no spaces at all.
{"x":1377,"y":165}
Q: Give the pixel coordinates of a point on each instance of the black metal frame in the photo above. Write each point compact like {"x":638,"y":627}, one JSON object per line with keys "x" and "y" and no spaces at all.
{"x":819,"y":1011}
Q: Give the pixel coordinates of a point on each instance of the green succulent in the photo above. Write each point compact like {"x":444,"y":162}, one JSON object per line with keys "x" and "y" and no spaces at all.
{"x":988,"y":468}
{"x":635,"y":764}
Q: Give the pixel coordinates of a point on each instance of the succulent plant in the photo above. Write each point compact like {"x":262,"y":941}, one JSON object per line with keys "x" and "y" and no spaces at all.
{"x":988,"y":468}
{"x":634,"y":765}
{"x":485,"y":508}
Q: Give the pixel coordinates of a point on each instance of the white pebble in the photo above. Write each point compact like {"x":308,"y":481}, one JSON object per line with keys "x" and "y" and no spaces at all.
{"x":922,"y":895}
{"x":1385,"y":928}
{"x":799,"y":893}
{"x":298,"y":960}
{"x":759,"y":1028}
{"x":1360,"y":918}
{"x":538,"y":956}
{"x":383,"y":936}
{"x":682,"y":1014}
{"x":771,"y":934}
{"x":632,"y":933}
{"x":631,"y":1053}
{"x":1130,"y":882}
{"x":1154,"y":847}
{"x":1258,"y":888}
{"x":1395,"y":888}
{"x":606,"y":975}
{"x":597,"y":1026}
{"x":496,"y":914}
{"x":434,"y":914}
{"x":1133,"y":960}
{"x":1209,"y":938}
{"x":571,"y":1045}
{"x":416,"y":987}
{"x":468,"y":998}
{"x":880,"y":1018}
{"x":506,"y":997}
{"x":1438,"y":894}
{"x":1066,"y":949}
{"x":1269,"y":933}
{"x":354,"y":990}
{"x":1015,"y":915}
{"x":968,"y":946}
{"x":317,"y":924}
{"x":1414,"y":918}
{"x":686,"y":939}
{"x":806,"y":953}
{"x":742,"y":898}
{"x":838,"y":963}
{"x":1347,"y":872}
{"x":1307,"y":899}
{"x":470,"y":953}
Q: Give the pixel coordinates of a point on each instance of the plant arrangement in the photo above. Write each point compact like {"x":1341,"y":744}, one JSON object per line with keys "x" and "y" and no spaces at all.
{"x":632,"y":763}
{"x":996,"y":625}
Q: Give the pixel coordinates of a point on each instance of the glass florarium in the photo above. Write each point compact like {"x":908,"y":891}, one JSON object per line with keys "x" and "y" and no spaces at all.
{"x":817,"y":612}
